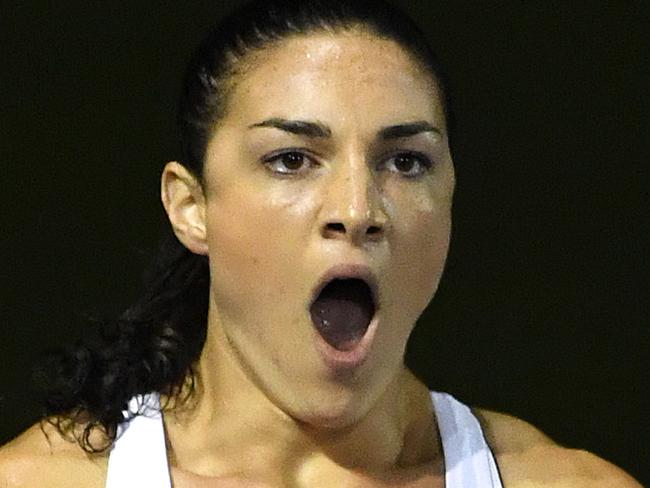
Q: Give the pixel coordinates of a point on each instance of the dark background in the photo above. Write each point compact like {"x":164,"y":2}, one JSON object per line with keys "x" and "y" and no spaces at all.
{"x":543,"y":312}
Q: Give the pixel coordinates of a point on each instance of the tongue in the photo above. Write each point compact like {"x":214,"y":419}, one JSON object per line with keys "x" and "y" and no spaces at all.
{"x":342,"y":313}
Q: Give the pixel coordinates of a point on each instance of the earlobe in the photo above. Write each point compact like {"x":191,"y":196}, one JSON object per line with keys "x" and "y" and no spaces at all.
{"x":184,"y":201}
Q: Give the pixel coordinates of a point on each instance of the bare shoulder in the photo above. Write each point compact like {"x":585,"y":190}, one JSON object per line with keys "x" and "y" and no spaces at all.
{"x":528,"y":458}
{"x":40,"y":456}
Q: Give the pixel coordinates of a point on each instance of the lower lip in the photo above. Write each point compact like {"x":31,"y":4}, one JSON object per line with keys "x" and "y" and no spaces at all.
{"x":341,"y":361}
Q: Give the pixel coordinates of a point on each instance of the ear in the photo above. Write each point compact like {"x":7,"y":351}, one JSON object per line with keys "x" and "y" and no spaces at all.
{"x":184,"y":201}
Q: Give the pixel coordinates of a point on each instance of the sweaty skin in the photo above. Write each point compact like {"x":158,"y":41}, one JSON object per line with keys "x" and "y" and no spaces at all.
{"x":271,"y":233}
{"x":275,"y":212}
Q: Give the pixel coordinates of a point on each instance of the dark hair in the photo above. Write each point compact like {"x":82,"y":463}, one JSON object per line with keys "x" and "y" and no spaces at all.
{"x":154,"y":344}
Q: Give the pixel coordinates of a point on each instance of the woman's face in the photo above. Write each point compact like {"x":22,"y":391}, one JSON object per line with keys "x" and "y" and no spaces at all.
{"x":333,"y":151}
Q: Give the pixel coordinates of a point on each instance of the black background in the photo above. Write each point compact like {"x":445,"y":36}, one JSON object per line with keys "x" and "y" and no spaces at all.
{"x":543,"y":311}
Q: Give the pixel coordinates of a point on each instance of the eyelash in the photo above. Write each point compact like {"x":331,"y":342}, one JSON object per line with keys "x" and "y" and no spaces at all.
{"x":272,"y":158}
{"x":423,"y":160}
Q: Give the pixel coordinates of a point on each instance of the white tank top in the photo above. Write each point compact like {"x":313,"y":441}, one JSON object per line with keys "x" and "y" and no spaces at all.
{"x":139,"y":455}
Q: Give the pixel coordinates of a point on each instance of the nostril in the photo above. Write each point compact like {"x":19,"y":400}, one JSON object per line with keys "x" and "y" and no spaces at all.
{"x":336,"y":227}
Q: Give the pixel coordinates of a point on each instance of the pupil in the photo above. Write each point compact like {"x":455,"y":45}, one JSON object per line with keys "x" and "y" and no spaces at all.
{"x":404,"y":163}
{"x":292,"y":160}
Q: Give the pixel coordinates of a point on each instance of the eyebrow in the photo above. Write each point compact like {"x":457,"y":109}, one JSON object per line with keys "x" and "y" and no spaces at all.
{"x":299,"y":127}
{"x":318,"y":129}
{"x":407,"y":130}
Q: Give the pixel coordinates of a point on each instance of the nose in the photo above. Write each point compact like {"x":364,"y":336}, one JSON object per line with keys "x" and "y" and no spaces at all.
{"x":354,"y":208}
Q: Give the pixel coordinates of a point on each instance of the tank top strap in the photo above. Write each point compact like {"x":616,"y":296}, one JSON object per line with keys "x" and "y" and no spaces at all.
{"x":469,"y":461}
{"x":139,"y":455}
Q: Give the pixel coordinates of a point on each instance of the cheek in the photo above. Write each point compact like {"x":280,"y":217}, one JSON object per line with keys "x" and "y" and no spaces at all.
{"x":421,"y":237}
{"x":254,"y":240}
{"x":431,"y":245}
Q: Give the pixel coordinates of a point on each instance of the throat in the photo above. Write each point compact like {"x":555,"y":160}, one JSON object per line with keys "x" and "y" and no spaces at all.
{"x":230,"y":426}
{"x":244,"y":439}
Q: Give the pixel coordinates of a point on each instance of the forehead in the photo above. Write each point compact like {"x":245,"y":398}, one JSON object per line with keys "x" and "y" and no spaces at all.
{"x":335,"y":77}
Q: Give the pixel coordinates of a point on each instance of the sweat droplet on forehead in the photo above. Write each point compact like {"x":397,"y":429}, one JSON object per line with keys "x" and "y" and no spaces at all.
{"x":354,"y":82}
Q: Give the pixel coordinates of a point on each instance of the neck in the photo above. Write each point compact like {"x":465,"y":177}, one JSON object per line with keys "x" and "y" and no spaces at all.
{"x":229,"y":427}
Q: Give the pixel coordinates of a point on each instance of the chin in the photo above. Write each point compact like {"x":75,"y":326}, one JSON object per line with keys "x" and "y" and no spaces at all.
{"x":329,"y":420}
{"x":332,"y":411}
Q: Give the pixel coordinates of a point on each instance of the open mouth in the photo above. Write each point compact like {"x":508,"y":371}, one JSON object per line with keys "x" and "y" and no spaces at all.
{"x":342,"y":312}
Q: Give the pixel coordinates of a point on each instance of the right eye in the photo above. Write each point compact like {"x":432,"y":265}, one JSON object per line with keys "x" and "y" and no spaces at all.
{"x":288,"y":162}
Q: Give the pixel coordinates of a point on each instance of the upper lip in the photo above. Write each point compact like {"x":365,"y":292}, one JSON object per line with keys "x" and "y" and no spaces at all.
{"x":348,"y":271}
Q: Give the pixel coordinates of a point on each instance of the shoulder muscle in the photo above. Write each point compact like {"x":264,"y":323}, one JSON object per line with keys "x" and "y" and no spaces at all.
{"x":527,"y":458}
{"x":40,"y":456}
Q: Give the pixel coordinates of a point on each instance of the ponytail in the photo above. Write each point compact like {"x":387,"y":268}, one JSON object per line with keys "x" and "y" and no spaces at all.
{"x":150,"y":347}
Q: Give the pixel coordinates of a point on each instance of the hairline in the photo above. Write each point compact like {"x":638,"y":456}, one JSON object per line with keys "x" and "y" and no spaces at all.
{"x":240,"y":65}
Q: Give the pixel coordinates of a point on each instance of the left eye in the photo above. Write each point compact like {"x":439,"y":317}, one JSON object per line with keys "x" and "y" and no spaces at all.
{"x":288,"y":163}
{"x":408,"y":164}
